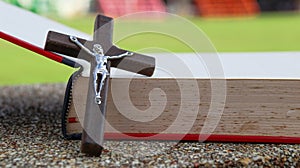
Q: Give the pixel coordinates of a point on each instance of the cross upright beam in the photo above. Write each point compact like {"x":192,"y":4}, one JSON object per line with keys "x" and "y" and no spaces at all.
{"x":94,"y":119}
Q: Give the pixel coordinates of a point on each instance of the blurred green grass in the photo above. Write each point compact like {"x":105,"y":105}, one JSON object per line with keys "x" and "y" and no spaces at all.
{"x":20,"y":66}
{"x":267,"y":32}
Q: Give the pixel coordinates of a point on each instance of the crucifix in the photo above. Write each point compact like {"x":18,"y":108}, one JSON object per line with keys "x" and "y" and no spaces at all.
{"x":101,"y":54}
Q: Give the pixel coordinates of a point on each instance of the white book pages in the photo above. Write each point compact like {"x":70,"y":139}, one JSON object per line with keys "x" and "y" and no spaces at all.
{"x":252,"y":65}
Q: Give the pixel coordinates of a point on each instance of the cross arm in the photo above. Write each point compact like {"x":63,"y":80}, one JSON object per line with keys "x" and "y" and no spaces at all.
{"x":137,"y":63}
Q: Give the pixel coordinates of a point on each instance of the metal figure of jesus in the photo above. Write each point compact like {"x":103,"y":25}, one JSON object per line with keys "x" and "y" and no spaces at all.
{"x":100,"y":68}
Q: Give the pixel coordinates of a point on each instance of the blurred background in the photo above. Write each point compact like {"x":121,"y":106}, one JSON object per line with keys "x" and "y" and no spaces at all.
{"x":115,"y":8}
{"x":230,"y":25}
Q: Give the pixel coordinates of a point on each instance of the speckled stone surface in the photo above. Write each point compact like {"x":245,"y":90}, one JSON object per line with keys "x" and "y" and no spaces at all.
{"x":30,"y":136}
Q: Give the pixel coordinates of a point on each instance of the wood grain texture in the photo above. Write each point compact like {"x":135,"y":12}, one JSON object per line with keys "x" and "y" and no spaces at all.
{"x":137,"y":63}
{"x":253,"y":107}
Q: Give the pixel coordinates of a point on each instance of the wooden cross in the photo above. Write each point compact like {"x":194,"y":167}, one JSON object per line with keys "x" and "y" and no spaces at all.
{"x":92,"y":143}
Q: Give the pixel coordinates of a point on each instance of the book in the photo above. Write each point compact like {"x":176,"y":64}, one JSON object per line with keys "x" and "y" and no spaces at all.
{"x":246,"y":108}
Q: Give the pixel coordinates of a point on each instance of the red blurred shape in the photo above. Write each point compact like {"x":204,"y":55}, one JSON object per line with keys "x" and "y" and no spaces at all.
{"x":225,"y":8}
{"x":116,"y":8}
{"x":72,"y":120}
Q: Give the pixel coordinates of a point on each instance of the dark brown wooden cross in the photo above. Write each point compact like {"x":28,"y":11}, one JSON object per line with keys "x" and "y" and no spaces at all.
{"x":92,"y":143}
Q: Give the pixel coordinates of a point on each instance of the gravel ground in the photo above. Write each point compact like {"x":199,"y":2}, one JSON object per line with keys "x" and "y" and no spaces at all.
{"x":31,"y":137}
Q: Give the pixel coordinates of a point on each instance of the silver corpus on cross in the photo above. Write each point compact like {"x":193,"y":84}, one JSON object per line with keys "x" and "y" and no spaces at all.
{"x":101,"y":62}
